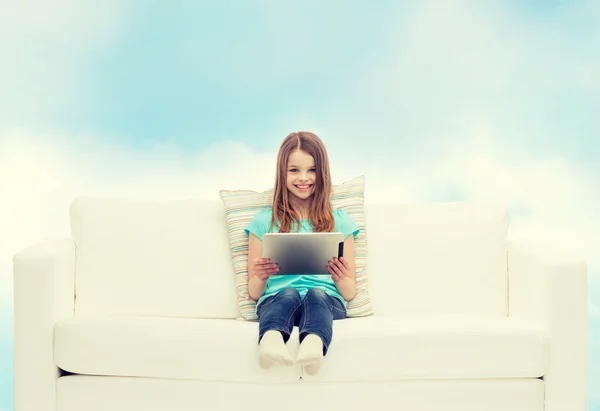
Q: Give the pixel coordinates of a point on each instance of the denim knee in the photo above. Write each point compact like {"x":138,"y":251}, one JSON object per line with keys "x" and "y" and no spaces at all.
{"x":289,"y":293}
{"x":316,"y":293}
{"x":278,"y":311}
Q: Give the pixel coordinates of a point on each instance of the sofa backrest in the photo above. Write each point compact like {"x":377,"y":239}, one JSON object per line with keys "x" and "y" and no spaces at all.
{"x":171,"y":258}
{"x":152,"y":258}
{"x":438,"y":259}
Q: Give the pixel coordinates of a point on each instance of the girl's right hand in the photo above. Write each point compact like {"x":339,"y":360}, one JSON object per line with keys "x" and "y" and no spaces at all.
{"x":263,"y":268}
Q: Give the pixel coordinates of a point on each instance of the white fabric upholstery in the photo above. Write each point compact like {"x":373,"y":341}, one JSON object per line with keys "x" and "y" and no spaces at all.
{"x":445,"y":259}
{"x":152,"y":258}
{"x":43,"y":293}
{"x":553,"y":292}
{"x":388,"y":349}
{"x":464,"y":320}
{"x":366,"y":349}
{"x":182,"y":348}
{"x":78,"y":393}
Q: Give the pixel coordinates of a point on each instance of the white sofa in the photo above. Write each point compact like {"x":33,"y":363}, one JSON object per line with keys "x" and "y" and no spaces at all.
{"x":137,"y":311}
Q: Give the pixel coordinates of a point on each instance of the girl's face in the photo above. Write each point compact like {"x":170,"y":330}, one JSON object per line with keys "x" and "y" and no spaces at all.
{"x":301,"y":175}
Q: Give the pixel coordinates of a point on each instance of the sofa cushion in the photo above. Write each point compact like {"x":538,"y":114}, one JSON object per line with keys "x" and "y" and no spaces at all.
{"x":363,"y":349}
{"x":242,"y":205}
{"x":152,"y":258}
{"x":178,"y":348}
{"x":438,"y":259}
{"x":386,"y":349}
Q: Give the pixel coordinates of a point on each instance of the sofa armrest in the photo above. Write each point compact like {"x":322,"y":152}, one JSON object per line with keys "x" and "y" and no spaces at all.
{"x":551,"y":290}
{"x":44,"y":280}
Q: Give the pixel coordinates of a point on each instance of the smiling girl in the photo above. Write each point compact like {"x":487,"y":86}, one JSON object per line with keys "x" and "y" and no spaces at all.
{"x":311,"y":302}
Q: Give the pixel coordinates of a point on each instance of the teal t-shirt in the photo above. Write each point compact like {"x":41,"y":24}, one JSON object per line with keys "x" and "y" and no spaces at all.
{"x":261,"y":223}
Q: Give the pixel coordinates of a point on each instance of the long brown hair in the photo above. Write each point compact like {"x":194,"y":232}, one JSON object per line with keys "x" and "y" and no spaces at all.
{"x":319,"y":213}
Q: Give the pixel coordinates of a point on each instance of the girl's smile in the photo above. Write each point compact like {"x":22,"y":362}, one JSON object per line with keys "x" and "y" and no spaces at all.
{"x":304,"y":187}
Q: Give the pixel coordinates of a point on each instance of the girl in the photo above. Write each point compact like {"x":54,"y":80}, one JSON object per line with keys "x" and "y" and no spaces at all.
{"x":311,"y":302}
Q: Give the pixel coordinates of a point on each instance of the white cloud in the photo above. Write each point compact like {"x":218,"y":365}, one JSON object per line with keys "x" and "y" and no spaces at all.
{"x":82,"y":24}
{"x":553,"y":202}
{"x":441,"y":62}
{"x":556,"y":199}
{"x":40,"y":176}
{"x":593,"y":308}
{"x":448,"y":66}
{"x":588,"y":76}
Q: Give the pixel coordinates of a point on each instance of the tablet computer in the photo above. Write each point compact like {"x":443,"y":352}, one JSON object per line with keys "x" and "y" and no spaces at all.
{"x":302,"y":253}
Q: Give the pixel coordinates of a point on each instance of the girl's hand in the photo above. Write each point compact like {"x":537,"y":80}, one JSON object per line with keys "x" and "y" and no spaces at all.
{"x":338,"y":268}
{"x":263,"y":268}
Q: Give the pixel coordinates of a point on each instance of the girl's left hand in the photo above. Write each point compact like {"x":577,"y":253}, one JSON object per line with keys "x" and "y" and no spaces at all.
{"x":338,"y":268}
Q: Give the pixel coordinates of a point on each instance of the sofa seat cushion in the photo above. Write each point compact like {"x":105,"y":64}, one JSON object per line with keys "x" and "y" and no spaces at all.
{"x":178,"y":348}
{"x":363,"y":349}
{"x":385,"y":349}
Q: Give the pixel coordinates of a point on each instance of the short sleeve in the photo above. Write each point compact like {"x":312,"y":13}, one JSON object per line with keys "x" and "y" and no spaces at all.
{"x":345,"y":224}
{"x":260,"y":224}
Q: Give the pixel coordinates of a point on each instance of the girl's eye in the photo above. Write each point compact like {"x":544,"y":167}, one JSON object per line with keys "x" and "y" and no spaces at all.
{"x":294,"y":170}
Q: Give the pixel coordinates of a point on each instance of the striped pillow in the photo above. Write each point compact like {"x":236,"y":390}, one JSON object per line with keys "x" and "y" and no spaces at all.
{"x":242,"y":205}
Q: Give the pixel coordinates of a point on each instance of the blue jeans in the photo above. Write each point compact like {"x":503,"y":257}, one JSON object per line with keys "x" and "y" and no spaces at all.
{"x":313,"y":315}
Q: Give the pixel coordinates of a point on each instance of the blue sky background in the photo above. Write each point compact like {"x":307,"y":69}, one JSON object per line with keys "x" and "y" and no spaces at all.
{"x":432,"y":101}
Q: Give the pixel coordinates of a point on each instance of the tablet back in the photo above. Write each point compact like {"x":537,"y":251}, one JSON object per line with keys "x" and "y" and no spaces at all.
{"x":302,"y":253}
